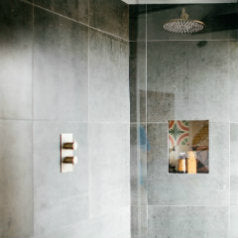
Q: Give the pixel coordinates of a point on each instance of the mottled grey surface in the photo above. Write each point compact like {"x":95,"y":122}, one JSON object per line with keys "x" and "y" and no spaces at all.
{"x":60,"y":68}
{"x":16,"y":179}
{"x":234,"y":164}
{"x":108,"y":81}
{"x":137,"y":24}
{"x":233,"y":222}
{"x":186,"y":222}
{"x":137,"y":75}
{"x":200,"y":189}
{"x":94,"y":200}
{"x":58,"y":194}
{"x":188,"y":82}
{"x":233,"y":96}
{"x":110,"y":16}
{"x":109,"y":168}
{"x":16,"y":24}
{"x":77,"y":10}
{"x":189,"y":77}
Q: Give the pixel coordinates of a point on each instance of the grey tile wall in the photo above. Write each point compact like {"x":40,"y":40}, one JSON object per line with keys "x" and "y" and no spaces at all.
{"x":58,"y":194}
{"x":16,"y":23}
{"x":233,"y":222}
{"x":181,"y":80}
{"x":108,"y":75}
{"x":138,"y":84}
{"x":234,"y":164}
{"x":60,"y":68}
{"x":186,"y":221}
{"x":169,"y":189}
{"x":137,"y":24}
{"x":110,"y":16}
{"x":189,"y":77}
{"x":50,"y":69}
{"x":77,"y":10}
{"x":16,"y":180}
{"x":109,"y":167}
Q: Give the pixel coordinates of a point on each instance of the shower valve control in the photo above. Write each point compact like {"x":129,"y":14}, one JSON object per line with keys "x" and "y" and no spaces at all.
{"x":68,"y":146}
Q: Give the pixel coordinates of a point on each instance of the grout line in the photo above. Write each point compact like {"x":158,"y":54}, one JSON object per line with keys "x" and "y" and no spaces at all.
{"x":229,"y":148}
{"x":229,"y":184}
{"x":166,"y":122}
{"x":73,"y":20}
{"x":146,"y":112}
{"x":65,"y":121}
{"x":184,"y":40}
{"x":186,"y":205}
{"x":32,"y":108}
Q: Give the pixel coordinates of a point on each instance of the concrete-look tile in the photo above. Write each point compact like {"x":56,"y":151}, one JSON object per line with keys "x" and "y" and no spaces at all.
{"x":139,"y":217}
{"x":137,"y":75}
{"x":60,"y":68}
{"x":16,"y":178}
{"x":16,"y":23}
{"x":138,"y":164}
{"x":210,"y":14}
{"x":186,"y":189}
{"x":233,"y":149}
{"x":110,"y":16}
{"x":233,"y":232}
{"x":234,"y":190}
{"x":109,"y":152}
{"x":233,"y":73}
{"x":60,"y":199}
{"x":233,"y":164}
{"x":108,"y":79}
{"x":205,"y":75}
{"x":77,"y":10}
{"x":181,"y":81}
{"x":60,"y":215}
{"x":186,"y":222}
{"x":137,"y":24}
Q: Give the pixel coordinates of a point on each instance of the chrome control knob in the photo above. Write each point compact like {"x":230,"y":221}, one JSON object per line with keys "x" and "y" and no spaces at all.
{"x":70,"y":145}
{"x":70,"y":160}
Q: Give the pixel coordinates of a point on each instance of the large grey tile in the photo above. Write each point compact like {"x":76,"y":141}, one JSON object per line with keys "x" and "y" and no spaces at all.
{"x":114,"y":224}
{"x":234,"y":190}
{"x":16,"y":23}
{"x":60,"y":199}
{"x":110,"y":16}
{"x":138,"y":164}
{"x":139,"y":222}
{"x":233,"y":149}
{"x":60,"y":68}
{"x":109,"y":151}
{"x":220,"y":21}
{"x":233,"y":164}
{"x":182,"y":77}
{"x":16,"y":178}
{"x":137,"y":22}
{"x":77,"y":10}
{"x":198,"y":222}
{"x":233,"y":73}
{"x":186,"y":189}
{"x":108,"y":79}
{"x":137,"y":76}
{"x":233,"y":232}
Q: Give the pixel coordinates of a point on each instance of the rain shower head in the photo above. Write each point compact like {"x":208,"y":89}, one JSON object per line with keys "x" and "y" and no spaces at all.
{"x":184,"y":25}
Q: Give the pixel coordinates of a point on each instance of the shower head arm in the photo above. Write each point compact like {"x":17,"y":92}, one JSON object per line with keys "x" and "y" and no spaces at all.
{"x":184,"y":15}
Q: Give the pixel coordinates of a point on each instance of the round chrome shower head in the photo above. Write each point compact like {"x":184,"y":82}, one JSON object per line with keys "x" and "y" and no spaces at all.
{"x":183,"y":25}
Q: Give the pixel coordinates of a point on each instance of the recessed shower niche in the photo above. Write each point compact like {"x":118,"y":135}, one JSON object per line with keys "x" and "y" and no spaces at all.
{"x":188,"y":146}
